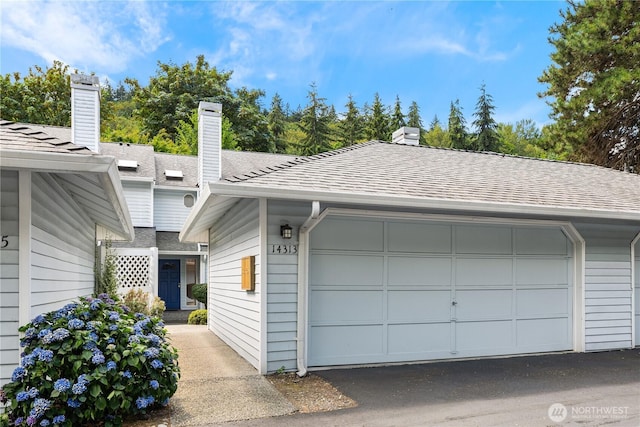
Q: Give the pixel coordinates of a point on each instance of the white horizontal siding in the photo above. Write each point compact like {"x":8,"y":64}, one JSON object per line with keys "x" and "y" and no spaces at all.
{"x":62,"y":247}
{"x":282,"y":287}
{"x":234,"y":314}
{"x":169,"y":211}
{"x":608,"y":286}
{"x":9,"y":348}
{"x":139,"y":197}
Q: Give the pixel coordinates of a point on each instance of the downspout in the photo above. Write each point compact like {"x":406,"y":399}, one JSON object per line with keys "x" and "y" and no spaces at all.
{"x":303,"y":263}
{"x":634,"y":242}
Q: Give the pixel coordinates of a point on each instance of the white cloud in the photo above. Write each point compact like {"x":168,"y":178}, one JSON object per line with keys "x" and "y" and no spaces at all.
{"x":261,"y":36}
{"x":535,"y":110}
{"x":91,"y":36}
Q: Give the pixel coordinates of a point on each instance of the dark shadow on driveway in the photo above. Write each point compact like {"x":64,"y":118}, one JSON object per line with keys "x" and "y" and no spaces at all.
{"x":408,"y":385}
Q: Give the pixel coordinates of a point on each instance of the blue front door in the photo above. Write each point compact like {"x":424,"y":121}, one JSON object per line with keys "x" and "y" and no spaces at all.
{"x":169,"y":283}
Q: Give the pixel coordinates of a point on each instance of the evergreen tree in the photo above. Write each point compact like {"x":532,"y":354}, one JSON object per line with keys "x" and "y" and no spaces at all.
{"x":457,"y":131}
{"x":414,"y":121}
{"x":486,"y":138}
{"x":413,"y":118}
{"x":397,"y":119}
{"x":435,"y":122}
{"x":378,"y":121}
{"x":315,"y":125}
{"x":352,"y":126}
{"x":277,"y":122}
{"x":594,"y":82}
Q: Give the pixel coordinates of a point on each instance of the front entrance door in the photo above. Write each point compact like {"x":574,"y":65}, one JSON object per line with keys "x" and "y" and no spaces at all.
{"x":169,"y":283}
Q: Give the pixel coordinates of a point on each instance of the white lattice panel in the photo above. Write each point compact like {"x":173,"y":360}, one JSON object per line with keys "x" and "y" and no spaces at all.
{"x":134,"y":271}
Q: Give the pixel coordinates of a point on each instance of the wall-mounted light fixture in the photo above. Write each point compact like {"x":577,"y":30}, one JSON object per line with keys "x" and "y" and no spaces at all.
{"x":286,"y":231}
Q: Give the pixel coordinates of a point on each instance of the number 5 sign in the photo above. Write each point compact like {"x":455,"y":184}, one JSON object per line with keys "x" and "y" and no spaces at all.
{"x":9,"y":242}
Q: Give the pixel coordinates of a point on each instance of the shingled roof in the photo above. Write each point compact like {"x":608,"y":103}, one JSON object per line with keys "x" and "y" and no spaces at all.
{"x":28,"y":137}
{"x":386,"y":170}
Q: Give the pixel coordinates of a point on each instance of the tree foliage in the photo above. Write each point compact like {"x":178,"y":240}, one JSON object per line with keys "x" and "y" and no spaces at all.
{"x":397,"y":118}
{"x":351,"y":128}
{"x":378,"y":121}
{"x":41,"y":97}
{"x":175,"y":91}
{"x":315,"y":125}
{"x":486,"y":138}
{"x":277,"y":123}
{"x":457,"y":127}
{"x":594,"y":82}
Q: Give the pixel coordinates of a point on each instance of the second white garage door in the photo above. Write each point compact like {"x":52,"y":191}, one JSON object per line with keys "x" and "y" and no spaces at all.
{"x":394,"y":291}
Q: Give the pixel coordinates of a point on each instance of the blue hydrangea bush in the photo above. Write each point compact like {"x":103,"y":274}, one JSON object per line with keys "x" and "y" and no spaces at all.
{"x":93,"y":362}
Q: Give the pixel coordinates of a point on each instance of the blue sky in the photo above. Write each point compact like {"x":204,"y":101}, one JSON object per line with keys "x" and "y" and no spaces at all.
{"x":428,"y":52}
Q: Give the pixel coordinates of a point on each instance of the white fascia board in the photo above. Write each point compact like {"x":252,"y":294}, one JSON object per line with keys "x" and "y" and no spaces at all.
{"x":175,"y":188}
{"x":136,"y":179}
{"x":248,"y":191}
{"x":44,"y":161}
{"x":193,"y":228}
{"x":115,"y":193}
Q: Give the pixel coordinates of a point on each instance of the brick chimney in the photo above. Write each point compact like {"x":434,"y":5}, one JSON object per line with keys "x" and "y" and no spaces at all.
{"x":406,"y":135}
{"x":85,"y":111}
{"x":209,"y":143}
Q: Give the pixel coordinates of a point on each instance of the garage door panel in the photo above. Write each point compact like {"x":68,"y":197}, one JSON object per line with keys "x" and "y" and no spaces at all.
{"x":537,"y":241}
{"x":420,"y":339}
{"x":484,"y":304}
{"x":476,"y":239}
{"x":348,"y":234}
{"x":333,"y":343}
{"x":490,"y":335}
{"x":418,"y":306}
{"x":429,"y":290}
{"x":419,"y":237}
{"x":419,"y":271}
{"x":333,"y":306}
{"x":346,"y":270}
{"x":542,"y":271}
{"x":484,"y":272}
{"x":542,"y":302}
{"x":543,"y":334}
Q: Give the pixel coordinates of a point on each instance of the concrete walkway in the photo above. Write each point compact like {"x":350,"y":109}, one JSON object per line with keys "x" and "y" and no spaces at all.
{"x":216,"y":384}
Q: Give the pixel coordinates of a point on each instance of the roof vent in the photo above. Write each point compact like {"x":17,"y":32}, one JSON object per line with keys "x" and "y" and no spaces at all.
{"x":406,"y":135}
{"x":128,"y":165}
{"x":173,"y":174}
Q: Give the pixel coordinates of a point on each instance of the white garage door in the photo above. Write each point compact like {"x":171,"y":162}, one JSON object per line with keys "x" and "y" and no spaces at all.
{"x":393,"y":291}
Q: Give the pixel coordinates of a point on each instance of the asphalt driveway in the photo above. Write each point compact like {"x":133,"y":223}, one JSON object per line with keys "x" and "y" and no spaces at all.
{"x":550,"y":390}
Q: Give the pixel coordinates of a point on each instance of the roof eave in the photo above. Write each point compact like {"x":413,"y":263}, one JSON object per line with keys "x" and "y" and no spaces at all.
{"x":103,"y":166}
{"x":248,"y":191}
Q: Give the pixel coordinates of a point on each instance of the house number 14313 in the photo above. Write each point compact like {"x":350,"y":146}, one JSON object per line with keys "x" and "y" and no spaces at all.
{"x":284,"y":249}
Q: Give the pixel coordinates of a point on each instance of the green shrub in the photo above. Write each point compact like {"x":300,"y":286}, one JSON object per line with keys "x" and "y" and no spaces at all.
{"x":199,"y":292}
{"x":106,"y":277}
{"x":138,"y":301}
{"x":92,"y":362}
{"x":198,"y":317}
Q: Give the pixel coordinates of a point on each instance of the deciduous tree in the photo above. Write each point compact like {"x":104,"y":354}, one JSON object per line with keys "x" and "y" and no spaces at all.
{"x":43,"y":96}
